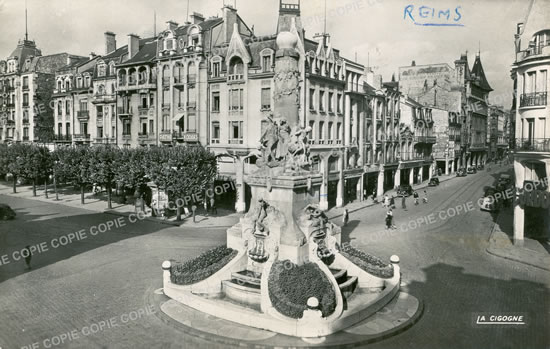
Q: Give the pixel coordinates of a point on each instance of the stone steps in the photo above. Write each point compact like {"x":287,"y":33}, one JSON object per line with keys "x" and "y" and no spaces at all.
{"x":347,"y":284}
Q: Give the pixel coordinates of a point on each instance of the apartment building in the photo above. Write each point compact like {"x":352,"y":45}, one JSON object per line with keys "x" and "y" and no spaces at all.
{"x":532,"y":124}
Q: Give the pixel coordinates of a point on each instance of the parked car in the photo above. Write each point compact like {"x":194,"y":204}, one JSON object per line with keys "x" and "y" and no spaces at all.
{"x":6,"y":212}
{"x":480,"y":167}
{"x":490,"y":203}
{"x":404,"y":189}
{"x":461,"y":172}
{"x":505,"y":180}
{"x":472,"y":170}
{"x":434,"y":182}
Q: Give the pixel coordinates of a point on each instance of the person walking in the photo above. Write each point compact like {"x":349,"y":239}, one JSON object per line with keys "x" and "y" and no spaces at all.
{"x":386,"y":201}
{"x":205,"y":204}
{"x":389,"y":219}
{"x":425,"y":199}
{"x":28,"y":257}
{"x":404,"y":202}
{"x":213,"y":208}
{"x":194,"y":209}
{"x":392,"y":202}
{"x":415,"y":196}
{"x":345,"y":217}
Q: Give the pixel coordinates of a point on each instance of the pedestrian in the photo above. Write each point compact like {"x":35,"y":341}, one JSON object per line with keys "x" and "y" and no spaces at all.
{"x":386,"y":201}
{"x":392,"y":202}
{"x":205,"y":204}
{"x":389,"y":219}
{"x":28,"y":257}
{"x":404,"y":202}
{"x":415,"y":195}
{"x":194,"y":209}
{"x":425,"y":199}
{"x":213,"y":208}
{"x":345,"y":217}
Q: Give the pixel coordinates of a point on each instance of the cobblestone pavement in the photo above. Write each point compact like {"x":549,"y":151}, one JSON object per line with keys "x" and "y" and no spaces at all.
{"x":106,"y":279}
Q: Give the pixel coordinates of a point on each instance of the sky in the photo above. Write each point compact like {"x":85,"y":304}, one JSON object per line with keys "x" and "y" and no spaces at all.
{"x":379,"y":32}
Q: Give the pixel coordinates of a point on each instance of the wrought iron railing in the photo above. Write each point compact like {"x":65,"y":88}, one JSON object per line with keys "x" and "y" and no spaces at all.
{"x":533,"y":144}
{"x":533,"y":99}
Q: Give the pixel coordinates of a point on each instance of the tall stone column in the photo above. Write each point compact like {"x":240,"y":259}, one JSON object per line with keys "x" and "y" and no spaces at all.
{"x":340,"y":189}
{"x":397,"y":178}
{"x":380,"y":189}
{"x":347,"y":120}
{"x":360,"y":188}
{"x":411,"y":176}
{"x":240,"y":205}
{"x":323,"y":191}
{"x":519,"y":222}
{"x":446,"y":166}
{"x":286,"y":80}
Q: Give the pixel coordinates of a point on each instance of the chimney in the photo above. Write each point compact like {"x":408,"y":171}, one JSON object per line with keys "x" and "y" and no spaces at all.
{"x":110,"y":42}
{"x":133,"y":45}
{"x":171,"y":25}
{"x":197,"y":18}
{"x":92,"y":55}
{"x":369,"y":75}
{"x":413,"y":64}
{"x":229,"y":21}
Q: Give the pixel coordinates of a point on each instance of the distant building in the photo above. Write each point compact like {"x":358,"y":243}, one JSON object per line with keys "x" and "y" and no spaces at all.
{"x":532,"y":121}
{"x":27,"y":81}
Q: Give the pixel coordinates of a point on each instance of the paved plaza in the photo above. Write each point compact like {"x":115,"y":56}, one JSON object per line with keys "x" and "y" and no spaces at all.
{"x":103,"y":285}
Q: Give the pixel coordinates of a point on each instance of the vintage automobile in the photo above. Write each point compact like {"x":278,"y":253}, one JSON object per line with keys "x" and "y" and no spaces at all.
{"x":404,"y":189}
{"x":480,"y":167}
{"x":434,"y":182}
{"x":490,"y":202}
{"x":6,"y":213}
{"x":472,"y":170}
{"x":461,"y":172}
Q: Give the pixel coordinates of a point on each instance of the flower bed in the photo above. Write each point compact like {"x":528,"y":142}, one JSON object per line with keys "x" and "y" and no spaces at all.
{"x":290,"y":286}
{"x":369,"y":263}
{"x":201,"y":267}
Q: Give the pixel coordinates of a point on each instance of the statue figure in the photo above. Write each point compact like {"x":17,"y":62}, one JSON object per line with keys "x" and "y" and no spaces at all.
{"x":269,"y":141}
{"x":284,"y":139}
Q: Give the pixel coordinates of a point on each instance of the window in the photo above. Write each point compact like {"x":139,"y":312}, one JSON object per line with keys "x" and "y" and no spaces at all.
{"x":165,"y":122}
{"x":144,"y":99}
{"x":531,"y":82}
{"x":329,"y":135}
{"x":266,"y":98}
{"x":235,"y":132}
{"x":151,"y":127}
{"x":215,"y":132}
{"x":321,"y":130}
{"x":25,"y":99}
{"x":84,"y":128}
{"x":67,"y":107}
{"x":101,"y":70}
{"x":236,"y":67}
{"x":236,"y":99}
{"x":144,"y":127}
{"x":312,"y":99}
{"x":331,"y":102}
{"x":543,"y":76}
{"x":100,"y":132}
{"x":126,"y":127}
{"x":68,"y":129}
{"x":59,"y":108}
{"x":99,"y":111}
{"x":312,"y":126}
{"x":339,"y":103}
{"x":216,"y":69}
{"x":25,"y":133}
{"x":266,"y":63}
{"x":59,"y":128}
{"x":339,"y":131}
{"x":215,"y":102}
{"x":322,"y":101}
{"x":25,"y":82}
{"x":83,"y":105}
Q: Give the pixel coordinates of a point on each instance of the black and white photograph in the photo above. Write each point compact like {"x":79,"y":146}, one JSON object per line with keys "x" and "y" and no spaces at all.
{"x":274,"y":174}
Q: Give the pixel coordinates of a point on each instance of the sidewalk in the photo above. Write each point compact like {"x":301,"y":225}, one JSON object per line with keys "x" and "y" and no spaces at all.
{"x":336,"y":212}
{"x":500,"y":244}
{"x":71,"y":198}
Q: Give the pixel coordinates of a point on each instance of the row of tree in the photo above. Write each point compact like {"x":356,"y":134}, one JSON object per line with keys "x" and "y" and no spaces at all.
{"x":180,"y":171}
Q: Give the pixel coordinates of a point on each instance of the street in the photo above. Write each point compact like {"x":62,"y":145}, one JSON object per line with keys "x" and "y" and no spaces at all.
{"x":111,"y":274}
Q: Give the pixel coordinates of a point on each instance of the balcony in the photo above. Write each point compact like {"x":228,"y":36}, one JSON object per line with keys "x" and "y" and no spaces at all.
{"x":533,"y":99}
{"x":83,"y":114}
{"x":25,"y":87}
{"x":166,"y":136}
{"x":63,"y":138}
{"x":215,"y":141}
{"x":25,"y":138}
{"x":543,"y":49}
{"x":135,"y":84}
{"x":124,"y":111}
{"x":236,"y":141}
{"x":425,"y":139}
{"x":189,"y":136}
{"x":143,"y":111}
{"x":533,"y":144}
{"x":126,"y":136}
{"x":235,"y":77}
{"x":146,"y":136}
{"x":104,"y":98}
{"x":81,"y":137}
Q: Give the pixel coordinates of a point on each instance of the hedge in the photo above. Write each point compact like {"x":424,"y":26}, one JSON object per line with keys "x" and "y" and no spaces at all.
{"x":369,"y":263}
{"x":201,"y":267}
{"x":290,"y":286}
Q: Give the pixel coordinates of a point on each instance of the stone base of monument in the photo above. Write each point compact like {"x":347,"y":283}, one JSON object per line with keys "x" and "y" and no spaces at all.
{"x":285,"y":224}
{"x":402,"y":312}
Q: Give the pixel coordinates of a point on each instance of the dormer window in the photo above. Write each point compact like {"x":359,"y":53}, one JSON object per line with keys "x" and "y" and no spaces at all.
{"x":169,"y":42}
{"x":236,"y":67}
{"x":267,"y":60}
{"x":101,"y":70}
{"x":112,"y":68}
{"x":216,"y":67}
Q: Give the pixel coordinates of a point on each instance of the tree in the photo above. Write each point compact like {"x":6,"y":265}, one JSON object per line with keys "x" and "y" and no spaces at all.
{"x":103,"y":166}
{"x":130,"y":170}
{"x":74,"y":166}
{"x":4,"y":160}
{"x":37,"y":165}
{"x":16,"y":156}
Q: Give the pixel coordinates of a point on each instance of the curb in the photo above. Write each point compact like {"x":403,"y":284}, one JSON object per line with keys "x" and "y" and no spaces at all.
{"x":493,"y":251}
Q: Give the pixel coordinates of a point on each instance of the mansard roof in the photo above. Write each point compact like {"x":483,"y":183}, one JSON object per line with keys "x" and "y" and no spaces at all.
{"x":478,"y":75}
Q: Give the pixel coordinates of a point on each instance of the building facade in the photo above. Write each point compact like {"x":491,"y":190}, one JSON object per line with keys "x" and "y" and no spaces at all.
{"x":532,"y":131}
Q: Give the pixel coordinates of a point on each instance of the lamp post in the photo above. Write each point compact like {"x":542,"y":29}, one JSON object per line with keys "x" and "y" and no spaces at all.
{"x":55,"y":181}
